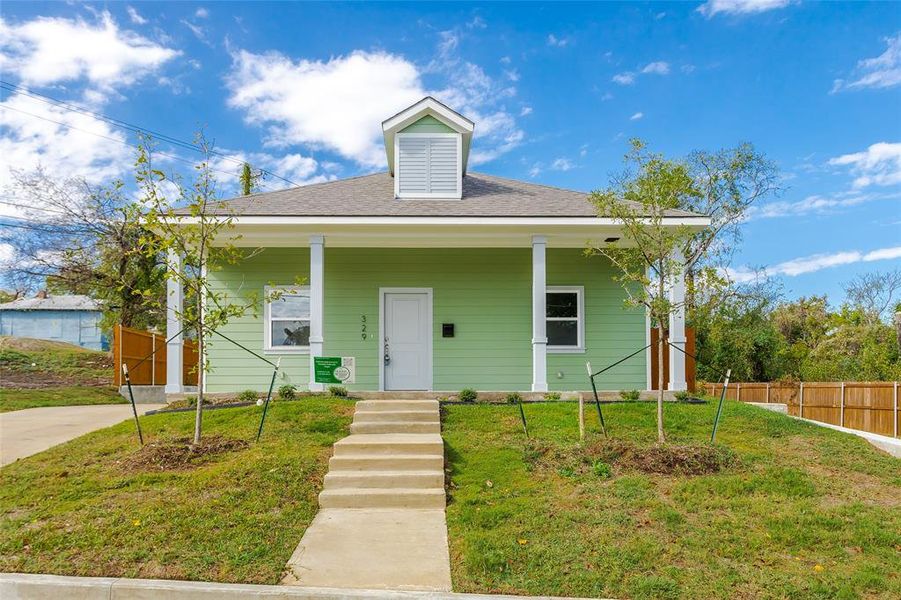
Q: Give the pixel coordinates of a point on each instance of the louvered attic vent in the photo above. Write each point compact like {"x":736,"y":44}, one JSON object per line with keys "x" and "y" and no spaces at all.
{"x":428,"y":165}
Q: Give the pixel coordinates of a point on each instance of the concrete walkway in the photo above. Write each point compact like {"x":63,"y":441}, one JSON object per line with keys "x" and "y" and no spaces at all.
{"x":381,"y":523}
{"x":32,"y":430}
{"x":14,"y":586}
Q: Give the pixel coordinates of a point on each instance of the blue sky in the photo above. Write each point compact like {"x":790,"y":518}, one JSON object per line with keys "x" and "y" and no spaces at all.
{"x":556,"y":90}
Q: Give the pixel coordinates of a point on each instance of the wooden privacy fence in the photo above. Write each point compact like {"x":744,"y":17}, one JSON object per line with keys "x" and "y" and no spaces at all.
{"x":864,"y":405}
{"x":131,"y":346}
{"x":690,"y":367}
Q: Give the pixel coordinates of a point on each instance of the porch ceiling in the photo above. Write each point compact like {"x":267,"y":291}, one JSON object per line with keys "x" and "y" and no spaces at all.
{"x":476,"y":232}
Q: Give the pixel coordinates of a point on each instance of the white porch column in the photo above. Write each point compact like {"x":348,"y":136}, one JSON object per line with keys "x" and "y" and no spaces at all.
{"x":677,"y":334}
{"x":539,"y":314}
{"x":175,"y":345}
{"x":317,"y":281}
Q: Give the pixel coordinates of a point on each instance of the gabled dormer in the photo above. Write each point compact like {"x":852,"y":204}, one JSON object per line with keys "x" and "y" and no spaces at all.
{"x":428,"y":146}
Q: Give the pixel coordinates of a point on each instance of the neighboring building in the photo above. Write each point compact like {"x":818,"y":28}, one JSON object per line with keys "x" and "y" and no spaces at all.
{"x":431,"y":277}
{"x":72,"y":319}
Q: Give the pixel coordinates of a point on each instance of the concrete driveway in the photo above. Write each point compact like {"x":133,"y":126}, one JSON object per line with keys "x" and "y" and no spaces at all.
{"x":33,"y":430}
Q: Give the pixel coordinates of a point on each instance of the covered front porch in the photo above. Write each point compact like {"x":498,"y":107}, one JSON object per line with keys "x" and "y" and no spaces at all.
{"x":474,"y":298}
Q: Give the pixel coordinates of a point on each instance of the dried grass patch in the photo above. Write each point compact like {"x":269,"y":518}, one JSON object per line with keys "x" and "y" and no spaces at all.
{"x":178,"y":454}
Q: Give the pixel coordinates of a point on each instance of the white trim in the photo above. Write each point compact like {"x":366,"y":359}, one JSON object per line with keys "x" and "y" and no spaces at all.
{"x":458,"y":194}
{"x":415,"y":112}
{"x":451,"y":221}
{"x":175,"y":347}
{"x":539,"y":313}
{"x":268,"y":348}
{"x":647,"y":352}
{"x":317,"y":300}
{"x":430,"y":340}
{"x":579,"y":291}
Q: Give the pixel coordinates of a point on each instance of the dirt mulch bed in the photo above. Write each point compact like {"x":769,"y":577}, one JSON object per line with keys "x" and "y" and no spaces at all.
{"x":624,"y":455}
{"x":178,"y":454}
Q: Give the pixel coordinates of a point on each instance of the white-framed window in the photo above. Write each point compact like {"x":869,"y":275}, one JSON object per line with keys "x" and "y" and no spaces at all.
{"x":287,"y":319}
{"x":565,"y":316}
{"x":428,"y":165}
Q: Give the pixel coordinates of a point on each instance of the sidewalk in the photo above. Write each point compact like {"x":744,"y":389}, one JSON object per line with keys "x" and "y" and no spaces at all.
{"x":32,"y":430}
{"x":15,"y":586}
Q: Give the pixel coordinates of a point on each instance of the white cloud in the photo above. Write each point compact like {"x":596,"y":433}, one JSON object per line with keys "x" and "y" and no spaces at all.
{"x":28,"y":142}
{"x":512,"y":75}
{"x":814,"y":263}
{"x":535,"y":170}
{"x":525,"y":111}
{"x":339,"y":104}
{"x":477,"y":23}
{"x":606,"y":96}
{"x":814,"y":205}
{"x":299,"y":169}
{"x":880,"y":164}
{"x":557,"y":42}
{"x":740,"y":7}
{"x":637,"y":116}
{"x":656,"y":68}
{"x":135,"y":16}
{"x":883,"y":71}
{"x":201,"y":13}
{"x":562,"y":164}
{"x":626,"y":78}
{"x":51,"y":50}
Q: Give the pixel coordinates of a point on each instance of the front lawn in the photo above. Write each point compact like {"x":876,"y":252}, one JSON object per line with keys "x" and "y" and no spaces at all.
{"x":18,"y":398}
{"x":94,"y":507}
{"x":803,"y":512}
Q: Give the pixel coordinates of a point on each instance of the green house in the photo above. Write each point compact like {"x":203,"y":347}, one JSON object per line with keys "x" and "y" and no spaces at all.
{"x":429,"y":277}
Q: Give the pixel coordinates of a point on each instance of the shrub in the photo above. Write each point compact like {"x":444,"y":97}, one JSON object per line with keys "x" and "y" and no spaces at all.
{"x":682,"y":396}
{"x":287,"y":392}
{"x":629,"y":394}
{"x":468,"y":395}
{"x":514,"y":398}
{"x":337,"y":390}
{"x":552,"y":396}
{"x":602,"y":469}
{"x":247,"y":396}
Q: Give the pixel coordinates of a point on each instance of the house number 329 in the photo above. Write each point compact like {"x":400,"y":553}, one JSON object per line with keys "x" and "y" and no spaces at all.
{"x":363,"y":326}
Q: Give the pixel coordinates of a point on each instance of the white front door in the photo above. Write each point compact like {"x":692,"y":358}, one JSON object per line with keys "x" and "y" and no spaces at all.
{"x":407,"y":340}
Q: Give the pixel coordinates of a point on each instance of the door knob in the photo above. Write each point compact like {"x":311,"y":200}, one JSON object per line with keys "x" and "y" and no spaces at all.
{"x":387,"y":354}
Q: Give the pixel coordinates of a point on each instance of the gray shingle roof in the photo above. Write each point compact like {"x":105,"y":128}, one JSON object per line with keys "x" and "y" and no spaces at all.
{"x":373,"y":196}
{"x":74,"y":302}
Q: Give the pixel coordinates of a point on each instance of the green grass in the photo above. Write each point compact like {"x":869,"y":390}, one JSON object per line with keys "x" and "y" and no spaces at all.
{"x":40,"y":359}
{"x":75,"y":510}
{"x":807,"y":513}
{"x":17,"y":399}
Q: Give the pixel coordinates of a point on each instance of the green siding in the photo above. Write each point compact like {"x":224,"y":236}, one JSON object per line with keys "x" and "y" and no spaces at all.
{"x":427,"y":124}
{"x":486,"y":293}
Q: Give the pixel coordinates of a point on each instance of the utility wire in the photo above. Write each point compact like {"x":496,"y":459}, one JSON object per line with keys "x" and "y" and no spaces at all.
{"x":11,"y":87}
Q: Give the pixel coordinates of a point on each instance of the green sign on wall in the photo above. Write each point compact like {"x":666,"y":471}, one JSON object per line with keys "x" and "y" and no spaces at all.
{"x":333,"y":369}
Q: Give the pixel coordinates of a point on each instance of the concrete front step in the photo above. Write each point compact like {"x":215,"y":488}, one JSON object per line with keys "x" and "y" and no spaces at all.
{"x":417,"y":416}
{"x":395,"y":427}
{"x":386,"y":462}
{"x":382,"y":498}
{"x":380,"y":405}
{"x":390,"y":443}
{"x":384,"y":479}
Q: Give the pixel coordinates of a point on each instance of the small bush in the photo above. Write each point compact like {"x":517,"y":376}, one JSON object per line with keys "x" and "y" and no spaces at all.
{"x":468,"y":395}
{"x":552,"y":396}
{"x":602,"y":469}
{"x":630,"y":395}
{"x":337,"y":390}
{"x":514,"y":398}
{"x":287,"y":392}
{"x":247,"y":396}
{"x":682,"y":396}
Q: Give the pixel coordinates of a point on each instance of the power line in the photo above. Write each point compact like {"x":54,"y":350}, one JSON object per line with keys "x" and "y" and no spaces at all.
{"x":11,"y":87}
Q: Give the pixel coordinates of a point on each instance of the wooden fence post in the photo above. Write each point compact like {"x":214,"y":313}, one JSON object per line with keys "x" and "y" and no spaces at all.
{"x":801,"y":402}
{"x":841,"y":414}
{"x":895,"y":411}
{"x":153,"y":359}
{"x":768,"y":393}
{"x":738,"y":393}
